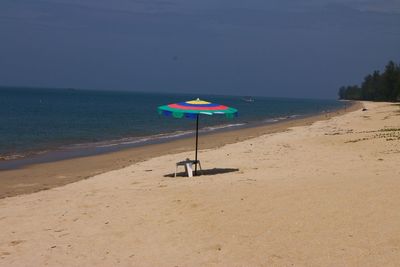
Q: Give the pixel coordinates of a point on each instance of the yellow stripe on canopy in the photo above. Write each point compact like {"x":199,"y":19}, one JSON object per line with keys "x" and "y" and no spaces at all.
{"x":197,"y":102}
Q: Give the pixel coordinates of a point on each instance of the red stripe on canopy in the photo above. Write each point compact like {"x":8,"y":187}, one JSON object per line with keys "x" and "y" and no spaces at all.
{"x":221,"y":107}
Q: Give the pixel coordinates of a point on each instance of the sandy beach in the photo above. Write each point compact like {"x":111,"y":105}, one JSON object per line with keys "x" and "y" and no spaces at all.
{"x":318,"y":193}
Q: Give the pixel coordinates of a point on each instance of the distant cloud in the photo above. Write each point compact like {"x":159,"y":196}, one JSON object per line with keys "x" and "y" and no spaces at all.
{"x":382,"y":6}
{"x":378,"y":6}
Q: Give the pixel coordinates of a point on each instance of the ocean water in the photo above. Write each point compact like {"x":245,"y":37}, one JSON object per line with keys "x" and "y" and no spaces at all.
{"x":35,"y":121}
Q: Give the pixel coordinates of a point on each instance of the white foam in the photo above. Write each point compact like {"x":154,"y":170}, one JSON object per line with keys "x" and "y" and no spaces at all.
{"x":219,"y":127}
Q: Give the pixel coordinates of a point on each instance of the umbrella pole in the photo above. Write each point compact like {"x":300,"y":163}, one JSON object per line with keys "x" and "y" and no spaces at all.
{"x":197,"y":142}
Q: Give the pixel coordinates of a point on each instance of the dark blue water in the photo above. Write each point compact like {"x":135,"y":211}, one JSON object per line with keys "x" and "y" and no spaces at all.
{"x":37,"y":120}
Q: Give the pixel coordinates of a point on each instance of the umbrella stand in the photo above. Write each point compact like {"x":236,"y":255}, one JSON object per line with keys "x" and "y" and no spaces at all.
{"x":192,"y":109}
{"x":197,"y":142}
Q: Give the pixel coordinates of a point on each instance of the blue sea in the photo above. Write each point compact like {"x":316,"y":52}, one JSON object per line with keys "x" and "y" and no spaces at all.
{"x":35,"y":121}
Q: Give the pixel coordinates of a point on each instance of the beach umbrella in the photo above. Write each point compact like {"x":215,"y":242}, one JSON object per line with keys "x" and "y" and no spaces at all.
{"x":192,"y":110}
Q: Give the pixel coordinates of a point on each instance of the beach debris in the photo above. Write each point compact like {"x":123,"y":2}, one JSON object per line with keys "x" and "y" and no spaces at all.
{"x":62,"y":235}
{"x":356,"y":140}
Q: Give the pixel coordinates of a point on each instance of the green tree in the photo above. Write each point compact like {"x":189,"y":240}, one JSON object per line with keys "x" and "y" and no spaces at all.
{"x":389,"y":81}
{"x":376,"y":86}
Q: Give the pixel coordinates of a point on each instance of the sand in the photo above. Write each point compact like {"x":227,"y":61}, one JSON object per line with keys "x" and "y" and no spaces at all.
{"x":325,"y":194}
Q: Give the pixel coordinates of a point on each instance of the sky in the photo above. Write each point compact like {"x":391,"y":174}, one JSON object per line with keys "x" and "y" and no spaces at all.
{"x":286,"y":48}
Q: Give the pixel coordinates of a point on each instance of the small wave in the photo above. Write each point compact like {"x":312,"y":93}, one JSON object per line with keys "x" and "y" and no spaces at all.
{"x":294,"y":116}
{"x":21,"y":155}
{"x":127,"y":140}
{"x":140,"y":140}
{"x":11,"y":157}
{"x":271,"y":120}
{"x":137,"y":140}
{"x":277,"y":119}
{"x":213,"y":128}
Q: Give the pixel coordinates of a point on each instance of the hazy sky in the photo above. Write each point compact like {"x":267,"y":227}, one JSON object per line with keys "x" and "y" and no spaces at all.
{"x":248,"y":47}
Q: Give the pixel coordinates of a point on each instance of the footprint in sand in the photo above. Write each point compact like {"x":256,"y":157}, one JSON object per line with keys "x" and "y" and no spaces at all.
{"x":217,"y":247}
{"x":4,"y":253}
{"x":16,"y":242}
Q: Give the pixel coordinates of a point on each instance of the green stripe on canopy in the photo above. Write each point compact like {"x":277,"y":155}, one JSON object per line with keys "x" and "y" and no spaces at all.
{"x":179,"y":113}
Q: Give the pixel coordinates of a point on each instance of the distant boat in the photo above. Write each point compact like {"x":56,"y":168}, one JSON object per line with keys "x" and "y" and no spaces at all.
{"x":248,"y":99}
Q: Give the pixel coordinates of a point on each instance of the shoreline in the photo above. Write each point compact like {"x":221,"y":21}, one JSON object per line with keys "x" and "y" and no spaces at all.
{"x":43,"y":176}
{"x":16,"y":160}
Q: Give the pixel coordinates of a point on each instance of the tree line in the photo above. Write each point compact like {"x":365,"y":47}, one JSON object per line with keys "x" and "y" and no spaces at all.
{"x":377,"y":86}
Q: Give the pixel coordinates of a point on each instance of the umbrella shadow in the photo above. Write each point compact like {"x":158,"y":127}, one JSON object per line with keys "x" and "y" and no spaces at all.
{"x":214,"y":171}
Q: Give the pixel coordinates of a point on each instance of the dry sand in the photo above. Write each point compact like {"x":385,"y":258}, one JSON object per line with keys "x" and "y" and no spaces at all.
{"x":319,"y":195}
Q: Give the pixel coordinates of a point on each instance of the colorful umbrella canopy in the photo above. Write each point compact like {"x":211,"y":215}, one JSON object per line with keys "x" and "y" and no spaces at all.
{"x":192,"y":110}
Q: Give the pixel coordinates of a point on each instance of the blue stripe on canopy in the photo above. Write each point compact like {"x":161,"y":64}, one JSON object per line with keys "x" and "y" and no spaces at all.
{"x":197,"y":105}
